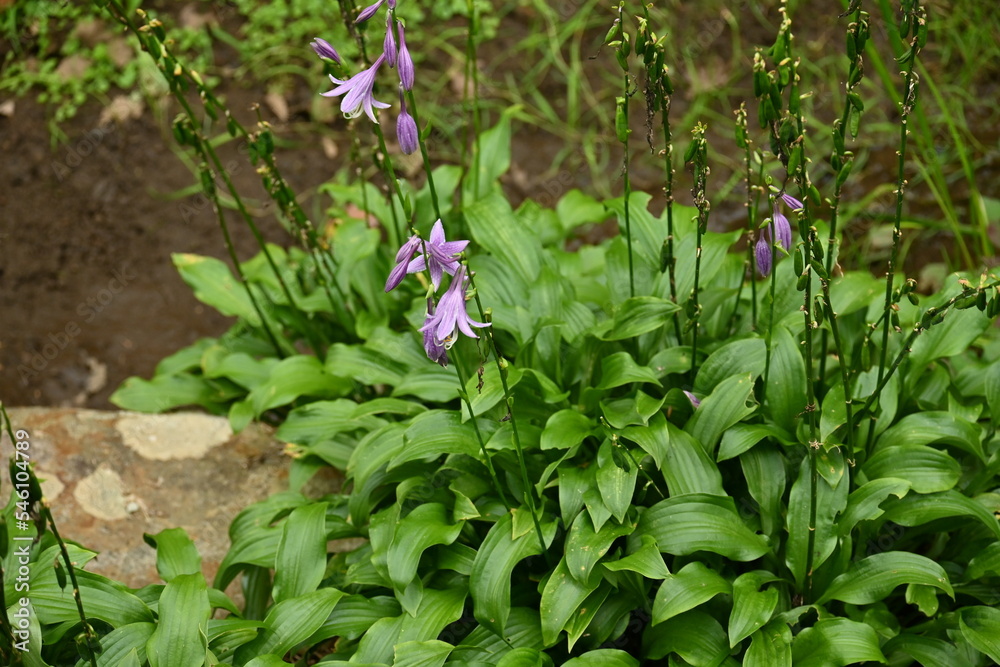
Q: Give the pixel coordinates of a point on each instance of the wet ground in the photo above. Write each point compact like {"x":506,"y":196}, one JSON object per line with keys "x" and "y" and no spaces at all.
{"x":88,"y":294}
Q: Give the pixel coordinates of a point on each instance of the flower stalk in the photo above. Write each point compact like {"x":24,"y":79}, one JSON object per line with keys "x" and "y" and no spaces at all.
{"x":697,"y":154}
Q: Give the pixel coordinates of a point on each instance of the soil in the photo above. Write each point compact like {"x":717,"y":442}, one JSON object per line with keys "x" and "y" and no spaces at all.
{"x":88,"y":294}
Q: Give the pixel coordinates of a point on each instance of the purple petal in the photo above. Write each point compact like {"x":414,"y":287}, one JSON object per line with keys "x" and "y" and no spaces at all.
{"x":407,"y":249}
{"x":389,"y":45}
{"x":452,"y":248}
{"x":436,"y":273}
{"x":368,"y":11}
{"x":695,"y":401}
{"x":792,"y":202}
{"x":406,"y":133}
{"x":405,"y":62}
{"x":417,"y":265}
{"x":763,"y":253}
{"x":395,"y":276}
{"x":324,"y":50}
{"x":783,"y":230}
{"x":437,"y":233}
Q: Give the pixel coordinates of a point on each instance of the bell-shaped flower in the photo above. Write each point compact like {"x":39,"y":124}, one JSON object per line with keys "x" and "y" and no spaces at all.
{"x":402,"y":262}
{"x":405,"y":62}
{"x":436,"y":352}
{"x":763,"y":253}
{"x":389,"y":44}
{"x":406,"y":132}
{"x":358,"y":92}
{"x":324,"y":50}
{"x":792,"y":202}
{"x":440,"y":254}
{"x":451,"y":314}
{"x":782,"y":229}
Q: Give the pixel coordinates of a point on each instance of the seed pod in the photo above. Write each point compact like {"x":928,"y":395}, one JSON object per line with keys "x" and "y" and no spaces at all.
{"x":621,"y":120}
{"x":819,"y":269}
{"x":802,"y":282}
{"x":913,"y":298}
{"x":799,"y":263}
{"x":819,"y":311}
{"x":981,"y":300}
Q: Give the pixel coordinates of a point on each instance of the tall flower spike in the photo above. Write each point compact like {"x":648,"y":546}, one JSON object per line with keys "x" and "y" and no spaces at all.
{"x":324,"y":50}
{"x":389,"y":45}
{"x":435,"y":351}
{"x":406,"y":129}
{"x":358,"y":92}
{"x":451,"y":314}
{"x":441,"y":254}
{"x":368,"y":11}
{"x":405,"y":62}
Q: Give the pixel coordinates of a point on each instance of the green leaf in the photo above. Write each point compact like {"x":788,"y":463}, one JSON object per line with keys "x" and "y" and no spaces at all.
{"x":992,"y":388}
{"x":924,"y":428}
{"x":694,"y":636}
{"x":692,"y":586}
{"x":489,"y":582}
{"x":427,"y":525}
{"x":300,"y":562}
{"x":752,"y":608}
{"x":620,"y":368}
{"x":764,"y":470}
{"x":605,"y":657}
{"x":647,"y":561}
{"x":874,"y":578}
{"x":741,"y":437}
{"x":786,"y":396}
{"x":290,"y":622}
{"x":165,"y":392}
{"x":615,"y":484}
{"x":865,"y":502}
{"x":494,"y":158}
{"x":927,"y":651}
{"x":561,"y":597}
{"x":981,"y":627}
{"x":585,"y":546}
{"x":180,"y":638}
{"x":701,"y":522}
{"x":928,"y":470}
{"x":734,"y":357}
{"x":437,"y":610}
{"x":214,"y":285}
{"x":724,"y":407}
{"x":830,"y":501}
{"x":836,"y":642}
{"x":987,"y":560}
{"x":176,"y":554}
{"x":950,"y":337}
{"x":638,"y":315}
{"x":524,"y":657}
{"x":293,"y":377}
{"x":771,"y":646}
{"x":123,"y":640}
{"x":497,"y":230}
{"x":429,"y":653}
{"x":435,"y":433}
{"x":102,"y":598}
{"x":916,"y":510}
{"x":565,"y":429}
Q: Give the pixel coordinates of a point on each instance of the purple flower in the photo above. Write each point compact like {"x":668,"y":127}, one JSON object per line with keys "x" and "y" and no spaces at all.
{"x":763,"y":252}
{"x":441,"y":255}
{"x":324,"y":50}
{"x":405,"y":62}
{"x":782,"y":229}
{"x":369,"y":11}
{"x":792,"y":202}
{"x":402,"y":261}
{"x":695,"y":401}
{"x":389,"y":45}
{"x":406,"y":131}
{"x":451,"y":314}
{"x":435,"y":351}
{"x":358,"y":92}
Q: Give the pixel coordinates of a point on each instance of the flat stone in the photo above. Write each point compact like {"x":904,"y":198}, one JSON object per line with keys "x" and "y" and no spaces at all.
{"x":110,"y":477}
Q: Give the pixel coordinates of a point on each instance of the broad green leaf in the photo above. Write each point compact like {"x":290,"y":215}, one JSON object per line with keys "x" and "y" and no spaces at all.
{"x":489,"y":582}
{"x":741,"y":437}
{"x":830,"y":501}
{"x":923,"y":428}
{"x":836,"y":642}
{"x":620,"y":368}
{"x":483,"y":646}
{"x":364,"y":365}
{"x":771,"y":646}
{"x":577,"y":208}
{"x":565,"y":429}
{"x":269,"y":660}
{"x":693,"y":585}
{"x":992,"y":388}
{"x":694,"y":636}
{"x":701,"y":522}
{"x":214,"y":285}
{"x":290,"y":622}
{"x":239,"y":367}
{"x":176,"y":554}
{"x":927,"y":651}
{"x":981,"y":627}
{"x":605,"y":657}
{"x":300,"y":562}
{"x":524,"y":657}
{"x":615,"y":484}
{"x":437,"y":610}
{"x":916,"y":510}
{"x":434,"y":434}
{"x":585,"y":546}
{"x":865,"y":502}
{"x":685,"y":465}
{"x":122,"y":641}
{"x":924,"y":597}
{"x":874,"y":578}
{"x":300,"y":375}
{"x":353,"y":615}
{"x":987,"y":560}
{"x":428,"y":653}
{"x":752,"y":608}
{"x":786,"y":396}
{"x":427,"y":525}
{"x":638,"y":315}
{"x":225,"y":635}
{"x":951,"y":337}
{"x":102,"y":598}
{"x":180,"y":638}
{"x":734,"y":357}
{"x":928,"y":470}
{"x":724,"y":407}
{"x":573,"y":485}
{"x":647,"y":561}
{"x":764,"y":470}
{"x":496,"y":229}
{"x":561,"y":597}
{"x":165,"y":392}
{"x":834,"y":413}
